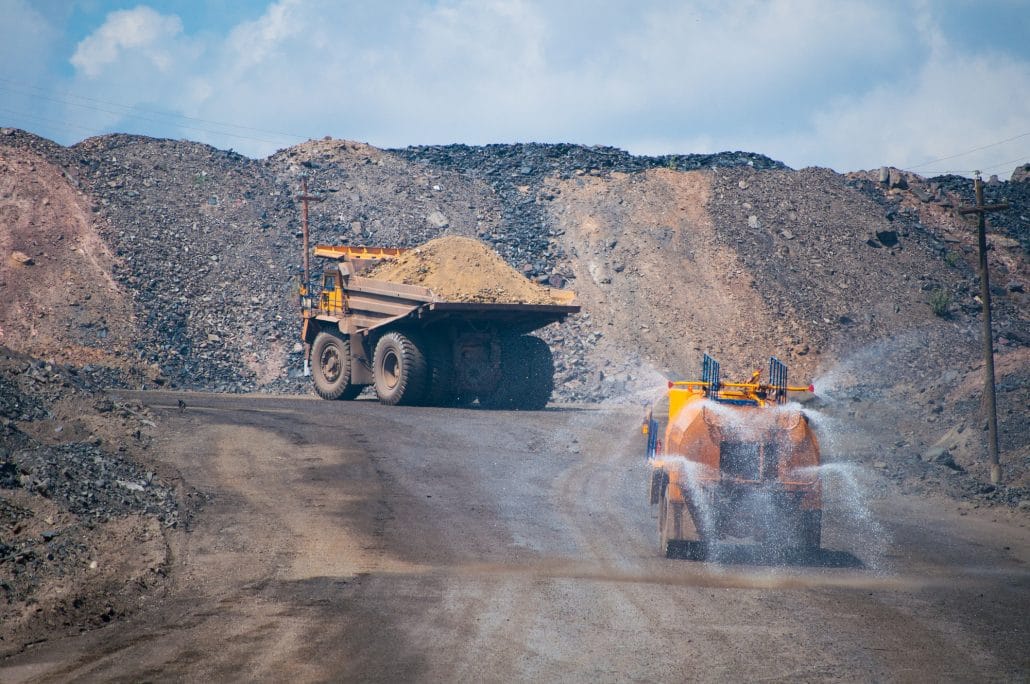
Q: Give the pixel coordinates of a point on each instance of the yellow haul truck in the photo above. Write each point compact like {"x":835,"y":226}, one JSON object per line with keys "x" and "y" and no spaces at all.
{"x":736,"y":462}
{"x":417,"y":348}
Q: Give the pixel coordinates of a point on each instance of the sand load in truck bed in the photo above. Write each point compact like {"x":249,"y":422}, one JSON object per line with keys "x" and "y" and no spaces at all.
{"x":462,"y":269}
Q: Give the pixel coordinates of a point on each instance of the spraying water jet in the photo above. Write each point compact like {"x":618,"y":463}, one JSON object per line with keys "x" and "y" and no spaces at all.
{"x":737,"y":461}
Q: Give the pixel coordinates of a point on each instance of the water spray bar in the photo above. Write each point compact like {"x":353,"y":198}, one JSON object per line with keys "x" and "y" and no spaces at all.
{"x":755,"y":387}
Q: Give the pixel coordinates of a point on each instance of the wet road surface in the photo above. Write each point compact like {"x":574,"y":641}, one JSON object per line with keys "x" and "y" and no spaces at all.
{"x":352,"y":541}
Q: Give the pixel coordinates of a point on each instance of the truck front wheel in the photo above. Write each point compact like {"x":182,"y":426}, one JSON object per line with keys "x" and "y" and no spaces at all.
{"x":399,"y":369}
{"x":330,"y":367}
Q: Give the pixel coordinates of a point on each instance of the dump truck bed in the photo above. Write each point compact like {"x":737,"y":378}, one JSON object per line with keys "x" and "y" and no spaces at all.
{"x":456,"y":337}
{"x":370,"y":303}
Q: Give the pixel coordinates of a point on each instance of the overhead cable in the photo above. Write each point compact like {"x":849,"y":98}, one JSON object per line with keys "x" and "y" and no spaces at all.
{"x":962,"y":154}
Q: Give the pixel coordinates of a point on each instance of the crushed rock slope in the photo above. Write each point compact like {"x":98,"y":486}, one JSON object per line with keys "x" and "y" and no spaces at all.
{"x":730,"y":253}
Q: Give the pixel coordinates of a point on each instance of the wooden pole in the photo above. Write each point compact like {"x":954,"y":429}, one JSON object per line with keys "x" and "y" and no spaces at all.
{"x":304,"y":197}
{"x":991,"y":407}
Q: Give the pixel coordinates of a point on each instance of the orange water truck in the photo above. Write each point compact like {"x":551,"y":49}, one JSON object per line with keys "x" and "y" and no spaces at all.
{"x":738,"y":463}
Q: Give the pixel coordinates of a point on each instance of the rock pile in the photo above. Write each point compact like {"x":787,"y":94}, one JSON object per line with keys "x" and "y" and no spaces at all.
{"x":59,"y":298}
{"x":526,"y":235}
{"x":516,"y":173}
{"x":201,"y":252}
{"x":738,"y":255}
{"x":207,"y":241}
{"x":927,"y":207}
{"x":69,"y":474}
{"x":1013,"y":222}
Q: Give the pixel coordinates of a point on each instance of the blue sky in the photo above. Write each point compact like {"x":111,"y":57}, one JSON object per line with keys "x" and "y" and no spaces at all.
{"x":917,"y":84}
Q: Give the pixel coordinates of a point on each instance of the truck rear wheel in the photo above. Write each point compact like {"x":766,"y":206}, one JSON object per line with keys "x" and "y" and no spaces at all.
{"x":670,"y":524}
{"x":810,"y":530}
{"x":440,"y":390}
{"x":665,"y":525}
{"x":527,"y":375}
{"x":670,"y":531}
{"x":330,"y":367}
{"x":534,"y":373}
{"x":399,"y":369}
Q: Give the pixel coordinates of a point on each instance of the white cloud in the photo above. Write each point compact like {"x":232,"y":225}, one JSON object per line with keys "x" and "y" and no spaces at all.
{"x":498,"y":71}
{"x":254,"y":42}
{"x":136,"y":65}
{"x":953,"y":102}
{"x":844,"y":84}
{"x":140,"y":33}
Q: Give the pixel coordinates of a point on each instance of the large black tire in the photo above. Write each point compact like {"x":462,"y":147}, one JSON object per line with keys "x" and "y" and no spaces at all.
{"x":440,"y":358}
{"x":399,"y":369}
{"x":810,"y":530}
{"x":658,"y":480}
{"x":527,"y":375}
{"x":670,"y":531}
{"x":534,"y":373}
{"x":330,"y":367}
{"x":352,"y":392}
{"x":665,"y":525}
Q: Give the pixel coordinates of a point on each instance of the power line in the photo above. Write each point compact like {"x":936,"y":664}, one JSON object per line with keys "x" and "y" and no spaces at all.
{"x":146,"y":118}
{"x":153,"y":120}
{"x":47,"y":120}
{"x":172,"y":119}
{"x":1023,"y":158}
{"x":46,"y":93}
{"x":962,"y":154}
{"x":96,"y":130}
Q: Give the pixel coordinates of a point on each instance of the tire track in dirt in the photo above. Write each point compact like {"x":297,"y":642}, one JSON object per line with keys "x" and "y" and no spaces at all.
{"x":347,"y":541}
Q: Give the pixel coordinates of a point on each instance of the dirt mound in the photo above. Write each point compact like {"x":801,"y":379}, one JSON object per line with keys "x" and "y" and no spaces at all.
{"x":823,"y":273}
{"x":60,"y":300}
{"x":462,"y":269}
{"x":328,"y":150}
{"x":377,"y":198}
{"x":651,"y":270}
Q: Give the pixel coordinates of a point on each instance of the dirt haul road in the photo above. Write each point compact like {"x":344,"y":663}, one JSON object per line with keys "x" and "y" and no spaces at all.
{"x":348,"y":541}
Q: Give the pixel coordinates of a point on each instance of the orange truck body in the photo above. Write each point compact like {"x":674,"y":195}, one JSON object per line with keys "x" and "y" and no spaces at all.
{"x":736,"y":462}
{"x":416,"y":347}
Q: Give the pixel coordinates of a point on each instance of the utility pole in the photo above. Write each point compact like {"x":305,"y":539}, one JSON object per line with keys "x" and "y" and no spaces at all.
{"x":981,"y":210}
{"x":304,"y":197}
